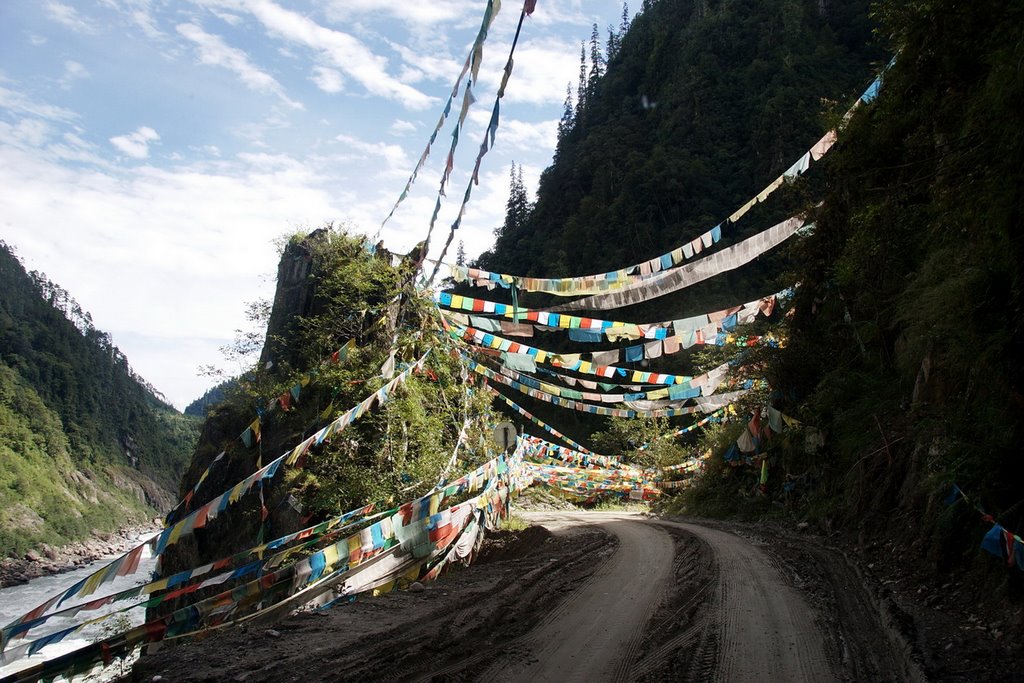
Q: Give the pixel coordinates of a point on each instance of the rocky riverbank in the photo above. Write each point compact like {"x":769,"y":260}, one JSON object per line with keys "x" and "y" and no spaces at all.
{"x":56,"y":560}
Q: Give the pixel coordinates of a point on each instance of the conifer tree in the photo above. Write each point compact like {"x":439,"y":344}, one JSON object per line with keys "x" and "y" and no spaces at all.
{"x":596,"y":60}
{"x":517,"y":207}
{"x":581,"y":87}
{"x":565,"y":124}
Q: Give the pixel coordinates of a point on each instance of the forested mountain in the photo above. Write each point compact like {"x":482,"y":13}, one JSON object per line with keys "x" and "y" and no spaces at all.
{"x":213,"y":396}
{"x":681,"y":115}
{"x":678,"y":121}
{"x":902,"y":354}
{"x":85,"y":443}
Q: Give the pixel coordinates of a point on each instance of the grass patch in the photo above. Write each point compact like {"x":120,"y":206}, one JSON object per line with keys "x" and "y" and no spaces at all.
{"x":514,"y":523}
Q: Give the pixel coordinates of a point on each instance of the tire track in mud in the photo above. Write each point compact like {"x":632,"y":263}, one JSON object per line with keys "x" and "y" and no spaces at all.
{"x":596,"y":633}
{"x":672,"y":645}
{"x":763,"y":628}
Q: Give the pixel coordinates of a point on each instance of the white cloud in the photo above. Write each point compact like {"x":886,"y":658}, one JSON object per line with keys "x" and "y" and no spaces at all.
{"x":540,"y":71}
{"x":25,"y":133}
{"x":36,"y":39}
{"x":423,"y":13}
{"x":136,"y":144}
{"x":343,"y":50}
{"x":227,"y":17}
{"x":20,"y":103}
{"x":401,"y":127}
{"x":194,"y":242}
{"x":72,"y":72}
{"x":328,"y":80}
{"x":147,"y":23}
{"x":419,"y":64}
{"x":69,"y":17}
{"x":215,"y":52}
{"x":395,"y":157}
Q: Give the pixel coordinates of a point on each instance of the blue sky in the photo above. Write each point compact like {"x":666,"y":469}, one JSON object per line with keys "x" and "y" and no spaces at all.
{"x":153,"y":151}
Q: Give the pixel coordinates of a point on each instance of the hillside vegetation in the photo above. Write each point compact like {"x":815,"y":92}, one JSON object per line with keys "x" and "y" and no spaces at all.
{"x":332,"y":292}
{"x":85,"y":443}
{"x":902,"y":354}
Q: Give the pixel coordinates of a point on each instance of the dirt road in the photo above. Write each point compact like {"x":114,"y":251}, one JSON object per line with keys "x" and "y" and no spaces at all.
{"x":579,"y":596}
{"x":765,"y":629}
{"x":593,"y":634}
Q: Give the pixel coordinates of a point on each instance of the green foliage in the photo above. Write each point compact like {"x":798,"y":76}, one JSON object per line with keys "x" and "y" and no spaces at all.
{"x":394,"y":452}
{"x":624,"y":436}
{"x":85,"y":437}
{"x":45,"y":497}
{"x":906,"y":344}
{"x":514,"y":523}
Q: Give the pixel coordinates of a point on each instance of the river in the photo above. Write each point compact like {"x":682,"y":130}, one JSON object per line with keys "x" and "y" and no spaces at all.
{"x":16,"y":600}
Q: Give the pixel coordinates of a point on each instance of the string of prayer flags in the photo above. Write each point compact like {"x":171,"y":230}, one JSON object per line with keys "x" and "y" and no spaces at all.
{"x":585,"y":329}
{"x":545,"y":449}
{"x":178,"y":582}
{"x":684,"y":276}
{"x":251,"y":435}
{"x":201,"y":516}
{"x":439,"y":531}
{"x":370,"y":539}
{"x":702,"y":385}
{"x":485,"y":146}
{"x":634,"y":274}
{"x":184,"y":503}
{"x":473,"y":59}
{"x":573,"y":362}
{"x":573,"y":404}
{"x":540,"y":423}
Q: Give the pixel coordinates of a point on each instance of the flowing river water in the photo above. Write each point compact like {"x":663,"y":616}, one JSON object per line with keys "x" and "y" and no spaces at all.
{"x":17,"y":600}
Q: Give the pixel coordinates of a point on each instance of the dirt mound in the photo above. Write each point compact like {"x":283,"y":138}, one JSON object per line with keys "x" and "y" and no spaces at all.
{"x":506,"y":544}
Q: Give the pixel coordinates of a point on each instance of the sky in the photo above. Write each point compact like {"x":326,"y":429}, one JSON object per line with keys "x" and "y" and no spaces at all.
{"x":153,"y":153}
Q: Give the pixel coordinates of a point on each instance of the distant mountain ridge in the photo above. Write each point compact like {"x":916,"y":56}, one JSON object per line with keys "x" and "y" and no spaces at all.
{"x":85,"y":443}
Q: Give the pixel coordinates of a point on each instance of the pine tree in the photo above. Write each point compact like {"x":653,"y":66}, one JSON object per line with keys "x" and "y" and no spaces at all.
{"x":517,"y":207}
{"x":596,"y":62}
{"x":565,"y":124}
{"x":460,"y":254}
{"x":522,"y":203}
{"x":581,"y":87}
{"x":614,"y":41}
{"x":624,"y":26}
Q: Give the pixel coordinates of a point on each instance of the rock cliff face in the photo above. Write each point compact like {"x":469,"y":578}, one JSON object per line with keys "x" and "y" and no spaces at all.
{"x":239,"y":526}
{"x":295,"y":295}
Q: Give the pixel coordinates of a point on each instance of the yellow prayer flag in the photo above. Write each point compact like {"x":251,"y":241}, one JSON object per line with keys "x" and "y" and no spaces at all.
{"x":176,"y":532}
{"x":91,"y":584}
{"x":331,"y":555}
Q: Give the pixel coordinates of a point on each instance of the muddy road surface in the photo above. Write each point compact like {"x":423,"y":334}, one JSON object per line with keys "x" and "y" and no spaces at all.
{"x":580,"y":596}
